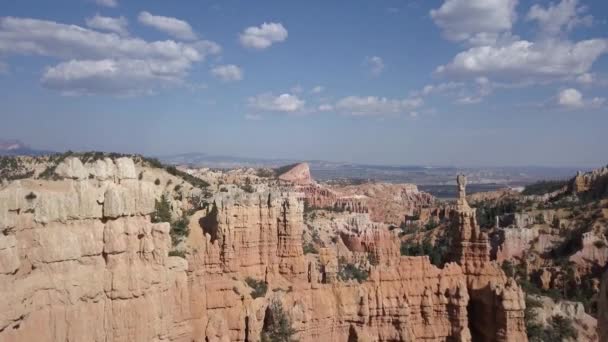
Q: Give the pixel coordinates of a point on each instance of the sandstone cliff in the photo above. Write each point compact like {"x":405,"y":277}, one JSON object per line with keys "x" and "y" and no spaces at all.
{"x":80,"y":260}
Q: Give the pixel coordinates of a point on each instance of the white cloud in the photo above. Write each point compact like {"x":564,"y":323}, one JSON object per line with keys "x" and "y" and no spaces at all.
{"x":585,"y":78}
{"x":263,"y":36}
{"x":439,"y":88}
{"x":117,"y":77}
{"x":475,"y":21}
{"x":282,"y":103}
{"x":376,"y":106}
{"x":118,"y":25}
{"x":107,"y":3}
{"x":228,"y":73}
{"x":556,"y":17}
{"x":527,"y":60}
{"x":573,"y":99}
{"x":171,"y":26}
{"x":318,"y":89}
{"x":375,"y":64}
{"x":96,"y":62}
{"x":325,"y":108}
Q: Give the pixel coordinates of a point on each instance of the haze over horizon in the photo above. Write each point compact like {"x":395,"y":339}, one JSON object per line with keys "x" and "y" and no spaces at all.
{"x":383,"y":82}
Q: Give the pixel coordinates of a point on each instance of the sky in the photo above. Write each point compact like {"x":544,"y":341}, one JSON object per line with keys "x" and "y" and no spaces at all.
{"x":399,"y":82}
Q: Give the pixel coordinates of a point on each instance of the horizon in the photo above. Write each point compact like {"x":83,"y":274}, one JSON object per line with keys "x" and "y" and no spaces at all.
{"x":387,"y":83}
{"x":257,"y":159}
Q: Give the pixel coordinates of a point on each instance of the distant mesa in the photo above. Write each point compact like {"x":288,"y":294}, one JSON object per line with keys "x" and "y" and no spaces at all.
{"x":298,"y":174}
{"x":15,"y":147}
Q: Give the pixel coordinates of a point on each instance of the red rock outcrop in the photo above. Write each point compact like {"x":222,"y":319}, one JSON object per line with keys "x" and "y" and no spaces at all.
{"x":299,"y":174}
{"x":388,"y":203}
{"x":81,"y":261}
{"x":596,"y":181}
{"x":496,"y":302}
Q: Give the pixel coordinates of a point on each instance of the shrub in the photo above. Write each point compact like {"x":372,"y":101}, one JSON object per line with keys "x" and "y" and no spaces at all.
{"x":539,"y":219}
{"x":248,"y":187}
{"x":348,"y":271}
{"x":31,"y":196}
{"x":179,"y":229}
{"x":259,"y":287}
{"x":560,"y":328}
{"x":265,"y":173}
{"x":544,"y":187}
{"x":277,"y":325}
{"x":437,"y":254}
{"x":195,"y":181}
{"x":599,"y":244}
{"x":372,"y":258}
{"x":162,"y":213}
{"x":157,"y":181}
{"x":162,"y":210}
{"x":432,"y":224}
{"x":309,"y":248}
{"x":181,"y":254}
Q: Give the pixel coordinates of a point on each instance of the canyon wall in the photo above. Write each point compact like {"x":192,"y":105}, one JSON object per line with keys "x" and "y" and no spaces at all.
{"x":80,"y":260}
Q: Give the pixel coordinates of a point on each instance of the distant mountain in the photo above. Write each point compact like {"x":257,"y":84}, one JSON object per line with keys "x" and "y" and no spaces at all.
{"x":18,"y":148}
{"x":219,"y":161}
{"x":487,"y":178}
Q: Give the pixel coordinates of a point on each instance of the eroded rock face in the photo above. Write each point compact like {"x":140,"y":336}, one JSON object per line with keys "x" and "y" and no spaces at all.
{"x":81,"y":261}
{"x":596,"y":181}
{"x":70,"y":272}
{"x":583,"y":323}
{"x":497,"y":303}
{"x":602,"y":321}
{"x":299,"y":174}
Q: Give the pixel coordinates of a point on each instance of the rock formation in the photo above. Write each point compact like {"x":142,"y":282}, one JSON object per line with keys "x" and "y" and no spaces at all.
{"x":602,"y":321}
{"x":297,"y":174}
{"x":80,"y":260}
{"x":497,"y":303}
{"x":595,"y":181}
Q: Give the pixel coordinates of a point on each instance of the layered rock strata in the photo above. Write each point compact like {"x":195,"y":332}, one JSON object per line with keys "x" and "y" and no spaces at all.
{"x":80,"y":260}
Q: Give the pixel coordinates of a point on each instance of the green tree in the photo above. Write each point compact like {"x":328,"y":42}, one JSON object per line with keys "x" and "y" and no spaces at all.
{"x":162,"y":210}
{"x":277,"y":325}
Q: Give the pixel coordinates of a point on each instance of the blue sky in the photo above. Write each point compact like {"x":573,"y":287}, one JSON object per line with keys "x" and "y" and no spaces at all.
{"x":445,"y":82}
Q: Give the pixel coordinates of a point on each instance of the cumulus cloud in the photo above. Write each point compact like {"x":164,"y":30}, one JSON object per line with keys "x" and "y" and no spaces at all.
{"x":263,"y":36}
{"x":97,"y":62}
{"x":585,"y":78}
{"x":508,"y":59}
{"x":283,"y":103}
{"x":227,"y":73}
{"x":118,"y":25}
{"x":376,"y":106}
{"x":172,"y":26}
{"x":570,"y":98}
{"x":107,"y":3}
{"x":527,"y":60}
{"x":375,"y":65}
{"x":118,"y":77}
{"x":557,"y":17}
{"x":573,"y":99}
{"x":475,"y":21}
